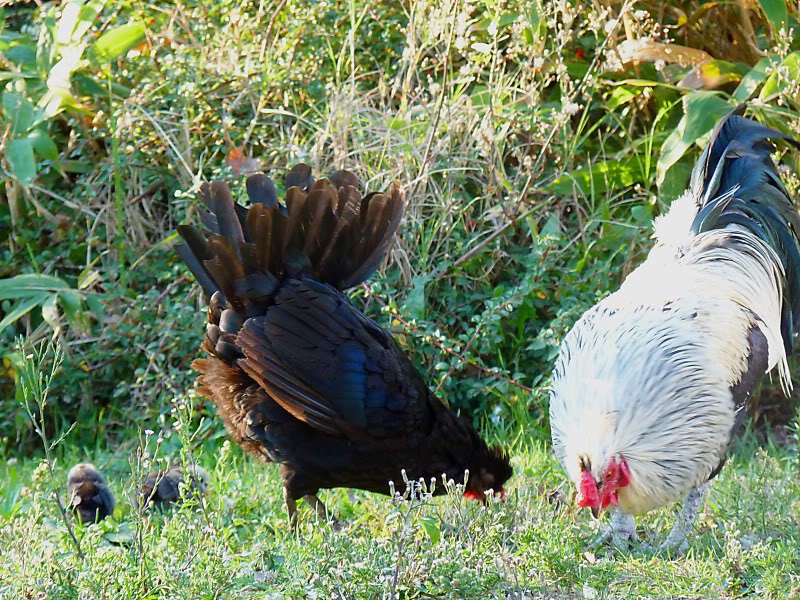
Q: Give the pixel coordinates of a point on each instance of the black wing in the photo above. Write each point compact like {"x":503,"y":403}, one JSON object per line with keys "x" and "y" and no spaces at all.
{"x":331,"y":367}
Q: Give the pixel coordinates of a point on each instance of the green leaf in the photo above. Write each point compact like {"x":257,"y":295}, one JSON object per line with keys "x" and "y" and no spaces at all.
{"x":77,"y":17}
{"x":620,"y":96}
{"x":23,"y":55}
{"x":43,"y":145}
{"x":431,"y":526}
{"x":642,"y":214}
{"x":19,"y":111}
{"x":713,"y":74}
{"x":552,"y":228}
{"x":22,"y":308}
{"x":776,"y":12}
{"x":791,"y":73}
{"x":414,"y":305}
{"x":29,"y":285}
{"x":95,"y":306}
{"x":598,"y":178}
{"x":19,"y":154}
{"x":702,"y":110}
{"x":71,"y":301}
{"x":755,"y":77}
{"x":119,"y":40}
{"x":676,"y":180}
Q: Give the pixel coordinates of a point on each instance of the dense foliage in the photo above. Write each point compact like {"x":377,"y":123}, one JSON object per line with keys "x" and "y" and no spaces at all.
{"x":535,"y":142}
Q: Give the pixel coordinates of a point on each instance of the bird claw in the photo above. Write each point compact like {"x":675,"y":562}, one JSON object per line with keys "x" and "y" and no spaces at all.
{"x":620,"y":533}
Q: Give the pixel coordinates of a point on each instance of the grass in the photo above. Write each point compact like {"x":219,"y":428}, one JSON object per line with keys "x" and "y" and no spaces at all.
{"x":533,"y":160}
{"x":237,"y":544}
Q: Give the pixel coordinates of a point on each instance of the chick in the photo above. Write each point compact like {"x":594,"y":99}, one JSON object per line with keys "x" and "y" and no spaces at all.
{"x":164,"y":487}
{"x":88,"y":494}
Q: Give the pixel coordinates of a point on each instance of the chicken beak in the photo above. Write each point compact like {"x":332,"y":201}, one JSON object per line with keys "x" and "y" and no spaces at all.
{"x":596,"y":512}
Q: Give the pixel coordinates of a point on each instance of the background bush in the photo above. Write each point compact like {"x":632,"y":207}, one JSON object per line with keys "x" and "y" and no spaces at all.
{"x":535,"y":142}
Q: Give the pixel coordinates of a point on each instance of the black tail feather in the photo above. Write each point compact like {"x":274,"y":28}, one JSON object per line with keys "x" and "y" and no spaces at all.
{"x":326,"y":231}
{"x":737,"y":183}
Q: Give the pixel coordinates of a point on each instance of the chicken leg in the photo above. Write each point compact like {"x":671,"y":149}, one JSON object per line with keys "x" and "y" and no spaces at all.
{"x":676,"y":540}
{"x":620,"y":532}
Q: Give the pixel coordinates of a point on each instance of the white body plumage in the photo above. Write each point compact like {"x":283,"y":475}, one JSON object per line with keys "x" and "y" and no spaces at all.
{"x":647,"y":373}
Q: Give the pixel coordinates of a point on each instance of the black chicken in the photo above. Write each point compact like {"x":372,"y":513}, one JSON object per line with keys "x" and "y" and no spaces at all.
{"x":300,"y":376}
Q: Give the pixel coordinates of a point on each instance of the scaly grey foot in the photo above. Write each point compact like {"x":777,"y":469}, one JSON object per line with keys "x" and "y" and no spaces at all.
{"x":621,"y":532}
{"x":676,"y":540}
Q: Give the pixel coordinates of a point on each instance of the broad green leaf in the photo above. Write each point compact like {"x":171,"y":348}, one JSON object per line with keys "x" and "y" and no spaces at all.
{"x":71,"y":301}
{"x":22,"y":308}
{"x":754,"y":78}
{"x":30,"y":284}
{"x":18,"y":111}
{"x":552,"y":228}
{"x":676,"y":180}
{"x":620,"y":96}
{"x":642,"y":214}
{"x":43,"y":145}
{"x":77,"y":17}
{"x":776,"y":12}
{"x":19,"y":154}
{"x":22,"y":55}
{"x":70,"y":14}
{"x":598,"y":178}
{"x":701,"y":111}
{"x":431,"y":526}
{"x":95,"y":306}
{"x":119,"y":40}
{"x":414,"y":305}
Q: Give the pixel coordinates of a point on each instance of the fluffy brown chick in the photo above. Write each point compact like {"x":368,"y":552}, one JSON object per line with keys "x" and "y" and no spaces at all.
{"x":88,"y":494}
{"x":164,"y":487}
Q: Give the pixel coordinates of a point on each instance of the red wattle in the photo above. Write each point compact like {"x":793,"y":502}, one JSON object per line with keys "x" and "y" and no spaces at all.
{"x":589,"y":494}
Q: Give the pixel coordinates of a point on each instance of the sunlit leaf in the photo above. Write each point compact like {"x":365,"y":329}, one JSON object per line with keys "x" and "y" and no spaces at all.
{"x":754,"y":78}
{"x":598,"y":178}
{"x":77,"y":17}
{"x":431,"y":526}
{"x":621,"y":96}
{"x":713,"y":74}
{"x":116,"y":42}
{"x":643,"y":50}
{"x":701,"y":111}
{"x":789,"y":72}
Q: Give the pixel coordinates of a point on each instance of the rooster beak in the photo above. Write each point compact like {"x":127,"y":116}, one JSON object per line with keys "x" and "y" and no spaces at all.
{"x":596,"y":512}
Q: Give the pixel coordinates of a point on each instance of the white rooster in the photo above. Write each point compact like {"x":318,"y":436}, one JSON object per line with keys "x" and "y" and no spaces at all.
{"x":651,"y":383}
